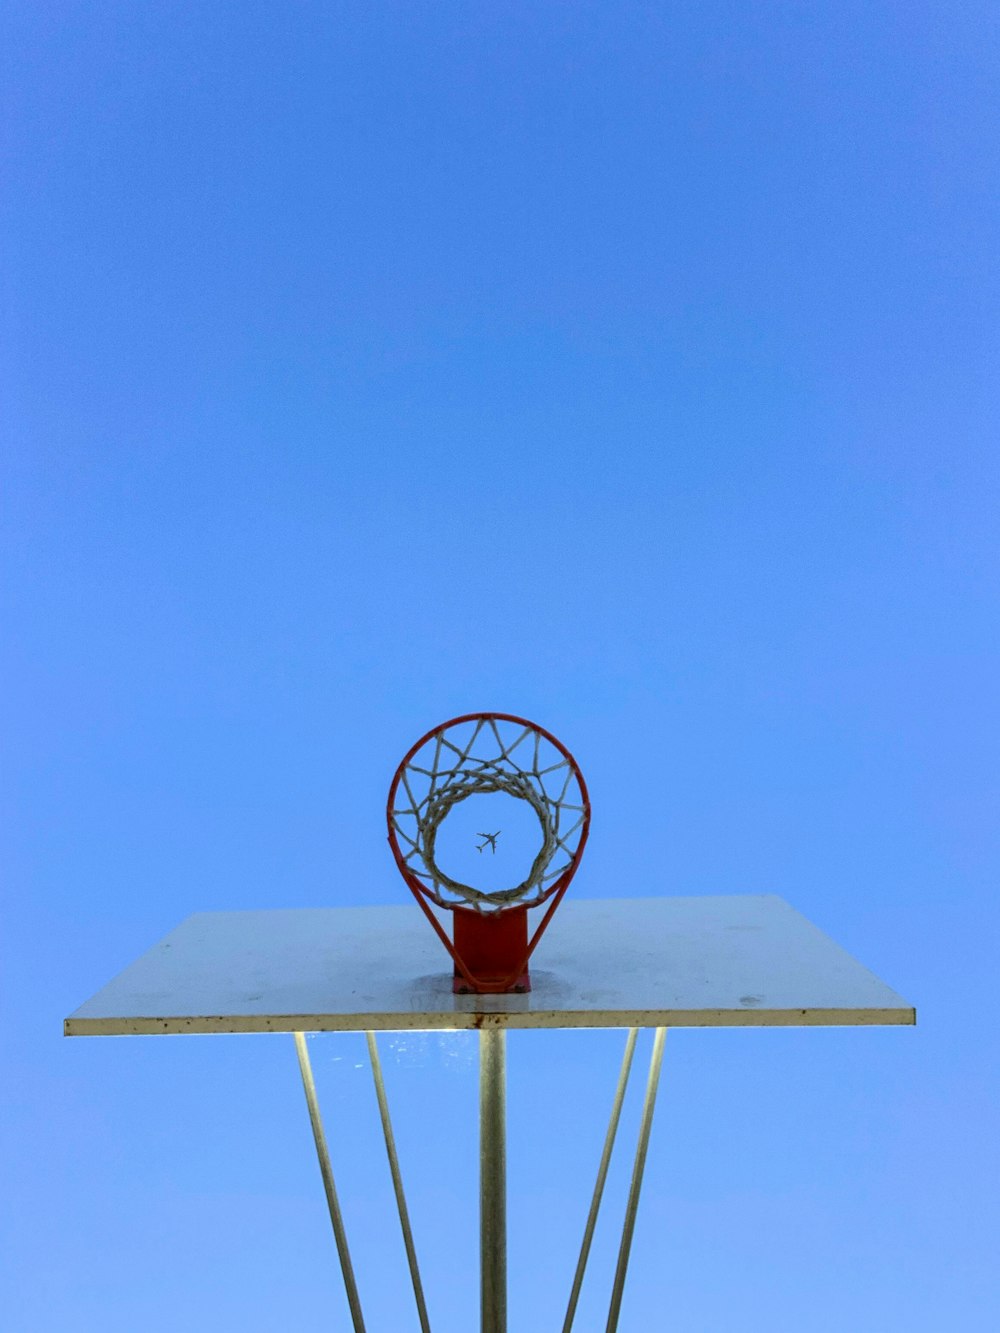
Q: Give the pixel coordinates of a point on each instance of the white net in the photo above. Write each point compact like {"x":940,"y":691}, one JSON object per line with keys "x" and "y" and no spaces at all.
{"x":480,"y":756}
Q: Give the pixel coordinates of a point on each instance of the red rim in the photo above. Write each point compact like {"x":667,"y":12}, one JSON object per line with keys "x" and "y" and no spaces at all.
{"x":553,"y":895}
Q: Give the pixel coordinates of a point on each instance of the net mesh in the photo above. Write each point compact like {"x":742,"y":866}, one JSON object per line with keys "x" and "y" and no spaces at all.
{"x":483,"y":755}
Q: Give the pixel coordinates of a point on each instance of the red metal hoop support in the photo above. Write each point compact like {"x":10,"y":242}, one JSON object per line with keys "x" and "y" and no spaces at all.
{"x":473,"y":927}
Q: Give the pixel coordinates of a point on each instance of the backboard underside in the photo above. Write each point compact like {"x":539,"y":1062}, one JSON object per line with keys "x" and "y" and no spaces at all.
{"x":732,"y":961}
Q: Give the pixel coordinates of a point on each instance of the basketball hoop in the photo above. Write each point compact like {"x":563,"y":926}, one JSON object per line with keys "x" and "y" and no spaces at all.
{"x":706,"y":962}
{"x":479,"y":754}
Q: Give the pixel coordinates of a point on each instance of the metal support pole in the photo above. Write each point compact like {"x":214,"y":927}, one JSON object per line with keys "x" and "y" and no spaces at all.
{"x":397,"y":1182}
{"x":493,"y":1180}
{"x":602,"y":1174}
{"x":628,"y":1227}
{"x":326,"y":1170}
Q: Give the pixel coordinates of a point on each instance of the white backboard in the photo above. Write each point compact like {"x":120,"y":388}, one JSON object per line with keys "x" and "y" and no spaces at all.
{"x":740,"y":961}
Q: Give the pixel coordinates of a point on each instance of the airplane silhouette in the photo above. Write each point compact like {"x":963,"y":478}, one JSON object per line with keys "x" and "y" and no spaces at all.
{"x":491,"y":841}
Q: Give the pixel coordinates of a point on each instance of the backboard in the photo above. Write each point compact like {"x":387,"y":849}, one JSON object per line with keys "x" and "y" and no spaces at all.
{"x":726,"y":961}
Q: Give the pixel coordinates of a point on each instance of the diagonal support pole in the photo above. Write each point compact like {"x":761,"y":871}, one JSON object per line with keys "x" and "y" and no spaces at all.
{"x":326,"y":1170}
{"x":656,"y":1060}
{"x":602,"y":1174}
{"x":397,"y":1182}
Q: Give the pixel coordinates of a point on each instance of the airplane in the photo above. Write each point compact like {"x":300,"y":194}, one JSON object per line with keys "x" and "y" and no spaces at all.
{"x":491,"y":841}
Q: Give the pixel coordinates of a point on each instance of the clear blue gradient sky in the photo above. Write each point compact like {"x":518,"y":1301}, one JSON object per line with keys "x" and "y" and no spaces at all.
{"x":629,"y":366}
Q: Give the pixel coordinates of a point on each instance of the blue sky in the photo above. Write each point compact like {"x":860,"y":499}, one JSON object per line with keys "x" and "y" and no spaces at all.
{"x":630,"y":367}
